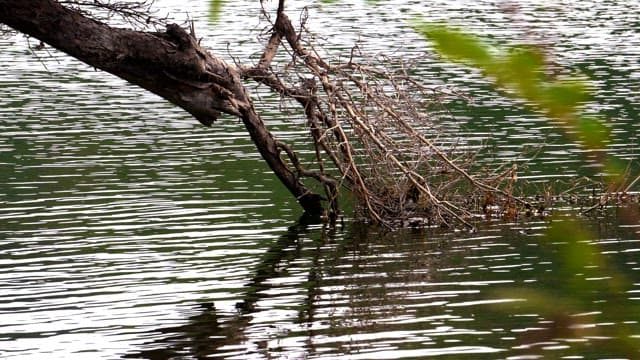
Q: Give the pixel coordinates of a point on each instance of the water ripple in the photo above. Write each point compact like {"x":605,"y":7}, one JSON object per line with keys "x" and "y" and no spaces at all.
{"x":127,"y":229}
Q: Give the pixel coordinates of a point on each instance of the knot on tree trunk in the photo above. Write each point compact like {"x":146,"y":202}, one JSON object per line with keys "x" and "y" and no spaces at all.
{"x":180,"y":37}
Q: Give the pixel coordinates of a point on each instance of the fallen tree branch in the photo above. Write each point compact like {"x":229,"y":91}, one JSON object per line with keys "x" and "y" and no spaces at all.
{"x":371,"y":125}
{"x":170,"y":64}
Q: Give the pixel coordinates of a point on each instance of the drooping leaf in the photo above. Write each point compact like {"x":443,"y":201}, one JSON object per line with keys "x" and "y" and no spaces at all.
{"x":456,"y":45}
{"x":577,"y":255}
{"x":215,"y":10}
{"x":561,"y":98}
{"x":522,"y":69}
{"x":593,"y":132}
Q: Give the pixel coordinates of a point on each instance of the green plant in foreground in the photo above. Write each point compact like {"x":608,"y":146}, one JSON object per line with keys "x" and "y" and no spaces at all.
{"x":215,"y":10}
{"x":525,"y":73}
{"x":582,"y":303}
{"x":587,"y":297}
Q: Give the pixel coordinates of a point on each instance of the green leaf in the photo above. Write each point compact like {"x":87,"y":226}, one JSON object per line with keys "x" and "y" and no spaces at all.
{"x":580,"y":260}
{"x":215,"y":10}
{"x":456,"y":45}
{"x":562,"y":98}
{"x":578,"y":254}
{"x":522,"y":70}
{"x":593,"y":132}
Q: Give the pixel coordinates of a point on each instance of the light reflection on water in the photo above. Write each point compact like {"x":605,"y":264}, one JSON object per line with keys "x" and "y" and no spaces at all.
{"x":126,"y":228}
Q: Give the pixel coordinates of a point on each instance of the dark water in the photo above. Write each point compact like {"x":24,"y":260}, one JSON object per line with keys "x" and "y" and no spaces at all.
{"x":128,"y":230}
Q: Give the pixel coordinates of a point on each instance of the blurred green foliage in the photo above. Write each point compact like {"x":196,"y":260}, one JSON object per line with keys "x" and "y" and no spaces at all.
{"x":215,"y":10}
{"x":584,"y":298}
{"x":527,"y":75}
{"x":587,"y":283}
{"x":522,"y":70}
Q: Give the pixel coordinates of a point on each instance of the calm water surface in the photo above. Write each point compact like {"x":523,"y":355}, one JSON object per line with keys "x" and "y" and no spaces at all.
{"x":127,"y":230}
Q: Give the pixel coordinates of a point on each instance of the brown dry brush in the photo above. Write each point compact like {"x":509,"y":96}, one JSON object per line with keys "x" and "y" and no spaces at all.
{"x":138,"y":14}
{"x":375,"y":132}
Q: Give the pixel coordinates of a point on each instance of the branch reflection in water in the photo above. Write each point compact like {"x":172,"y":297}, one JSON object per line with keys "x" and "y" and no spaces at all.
{"x":363,"y":292}
{"x":208,"y":333}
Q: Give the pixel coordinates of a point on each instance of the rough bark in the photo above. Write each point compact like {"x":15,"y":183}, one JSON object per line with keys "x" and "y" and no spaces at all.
{"x":170,"y":64}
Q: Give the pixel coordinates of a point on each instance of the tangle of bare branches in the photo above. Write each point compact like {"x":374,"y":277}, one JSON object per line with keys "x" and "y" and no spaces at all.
{"x":138,"y":14}
{"x":375,"y":132}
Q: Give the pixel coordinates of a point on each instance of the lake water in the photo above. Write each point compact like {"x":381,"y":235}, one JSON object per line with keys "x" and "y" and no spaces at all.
{"x":128,"y":230}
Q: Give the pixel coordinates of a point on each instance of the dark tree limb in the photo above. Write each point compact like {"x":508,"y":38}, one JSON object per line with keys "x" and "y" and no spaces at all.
{"x":372,"y":127}
{"x":170,"y":64}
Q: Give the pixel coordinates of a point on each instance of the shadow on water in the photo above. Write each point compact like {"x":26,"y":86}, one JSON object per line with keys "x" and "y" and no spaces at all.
{"x":360,"y":292}
{"x":365,"y":288}
{"x":208,"y":332}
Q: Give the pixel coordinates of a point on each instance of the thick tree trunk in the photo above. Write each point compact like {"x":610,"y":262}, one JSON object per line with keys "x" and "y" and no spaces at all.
{"x":170,"y":64}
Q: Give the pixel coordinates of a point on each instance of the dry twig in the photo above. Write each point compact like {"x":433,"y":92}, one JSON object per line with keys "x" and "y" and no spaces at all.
{"x":374,"y":123}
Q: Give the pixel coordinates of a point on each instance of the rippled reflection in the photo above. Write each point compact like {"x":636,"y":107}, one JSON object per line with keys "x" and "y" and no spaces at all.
{"x":126,"y":229}
{"x":322,"y":293}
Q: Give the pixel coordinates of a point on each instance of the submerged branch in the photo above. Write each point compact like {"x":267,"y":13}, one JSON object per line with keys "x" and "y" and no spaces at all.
{"x":374,"y":124}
